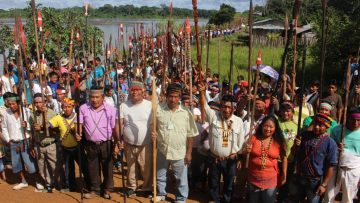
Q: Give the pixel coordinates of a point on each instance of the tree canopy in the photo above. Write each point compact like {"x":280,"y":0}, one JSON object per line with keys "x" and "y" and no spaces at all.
{"x":224,"y":15}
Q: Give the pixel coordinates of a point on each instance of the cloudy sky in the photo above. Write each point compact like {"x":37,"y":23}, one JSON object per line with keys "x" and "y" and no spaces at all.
{"x":240,"y":5}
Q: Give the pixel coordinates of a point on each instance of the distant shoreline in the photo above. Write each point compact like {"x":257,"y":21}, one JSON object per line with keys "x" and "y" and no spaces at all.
{"x":110,"y":21}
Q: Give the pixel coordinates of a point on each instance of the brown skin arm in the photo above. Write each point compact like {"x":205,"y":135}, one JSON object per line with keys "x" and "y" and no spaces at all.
{"x":322,"y":188}
{"x":116,"y":131}
{"x":15,"y":89}
{"x":78,"y":134}
{"x":284,"y":168}
{"x":189,"y":145}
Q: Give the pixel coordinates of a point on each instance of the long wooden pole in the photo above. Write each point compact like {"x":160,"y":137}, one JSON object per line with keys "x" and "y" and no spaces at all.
{"x":154,"y":105}
{"x":342,"y":135}
{"x":196,"y":20}
{"x":296,"y":10}
{"x":231,"y":64}
{"x":207,"y":51}
{"x":120,"y":133}
{"x":286,"y":27}
{"x":188,"y":58}
{"x":257,"y":77}
{"x":251,"y":10}
{"x":218,"y":56}
{"x":68,"y":88}
{"x":323,"y":45}
{"x":18,"y":57}
{"x":293,"y":72}
{"x":301,"y":100}
{"x":40,"y":68}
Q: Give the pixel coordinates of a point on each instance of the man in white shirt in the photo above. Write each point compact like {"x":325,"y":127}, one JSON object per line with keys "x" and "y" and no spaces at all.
{"x":55,"y":104}
{"x":226,"y":140}
{"x":7,"y":82}
{"x":16,"y":132}
{"x":135,"y":115}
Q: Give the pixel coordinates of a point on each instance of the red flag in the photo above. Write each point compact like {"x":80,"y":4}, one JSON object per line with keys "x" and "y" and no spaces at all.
{"x":159,"y":42}
{"x":258,"y":59}
{"x":171,"y":8}
{"x":180,"y":31}
{"x":23,"y":38}
{"x":76,"y":82}
{"x":47,"y":34}
{"x":187,"y":26}
{"x":40,"y":21}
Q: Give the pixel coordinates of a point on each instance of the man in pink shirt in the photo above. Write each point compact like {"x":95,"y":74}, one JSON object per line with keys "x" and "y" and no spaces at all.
{"x":99,"y":120}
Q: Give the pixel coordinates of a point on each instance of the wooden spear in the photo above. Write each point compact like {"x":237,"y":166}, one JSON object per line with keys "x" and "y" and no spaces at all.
{"x":293,"y":72}
{"x":188,"y":56}
{"x":296,"y":10}
{"x":323,"y":44}
{"x":286,"y":27}
{"x":301,"y":102}
{"x":218,"y":56}
{"x":198,"y":49}
{"x":207,"y":51}
{"x":40,"y":68}
{"x":70,"y":63}
{"x":257,"y":77}
{"x":18,"y":57}
{"x":154,"y":105}
{"x":231,"y":64}
{"x":342,"y":135}
{"x":251,"y":10}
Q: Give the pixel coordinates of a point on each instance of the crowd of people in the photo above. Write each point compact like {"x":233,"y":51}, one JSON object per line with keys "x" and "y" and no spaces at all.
{"x":209,"y":134}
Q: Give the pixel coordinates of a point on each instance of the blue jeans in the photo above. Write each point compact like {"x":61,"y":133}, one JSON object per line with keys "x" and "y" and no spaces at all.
{"x":301,"y":187}
{"x":227,"y":169}
{"x":180,"y":172}
{"x":69,"y":157}
{"x":1,"y":165}
{"x":258,"y":195}
{"x":199,"y":166}
{"x":20,"y":151}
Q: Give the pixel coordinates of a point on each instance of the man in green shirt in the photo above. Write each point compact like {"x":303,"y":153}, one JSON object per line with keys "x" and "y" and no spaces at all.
{"x":45,"y":146}
{"x":176,"y":129}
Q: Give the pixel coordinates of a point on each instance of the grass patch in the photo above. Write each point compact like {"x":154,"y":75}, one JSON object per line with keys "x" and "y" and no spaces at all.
{"x":270,"y":56}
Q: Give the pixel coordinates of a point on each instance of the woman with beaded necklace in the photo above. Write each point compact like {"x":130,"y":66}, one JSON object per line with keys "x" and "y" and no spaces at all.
{"x":265,"y":148}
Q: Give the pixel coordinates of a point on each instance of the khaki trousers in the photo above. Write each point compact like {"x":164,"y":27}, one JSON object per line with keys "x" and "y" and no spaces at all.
{"x":47,"y":159}
{"x":141,"y":155}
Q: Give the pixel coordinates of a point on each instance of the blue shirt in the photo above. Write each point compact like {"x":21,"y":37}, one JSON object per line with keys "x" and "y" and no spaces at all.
{"x":53,"y":87}
{"x":28,"y":92}
{"x":316,"y":153}
{"x":99,"y":72}
{"x":15,"y":75}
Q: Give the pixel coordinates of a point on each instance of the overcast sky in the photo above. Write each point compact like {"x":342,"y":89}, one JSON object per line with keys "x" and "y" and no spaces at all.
{"x":240,"y":5}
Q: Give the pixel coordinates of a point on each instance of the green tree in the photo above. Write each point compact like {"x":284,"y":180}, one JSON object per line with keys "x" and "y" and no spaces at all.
{"x":6,"y":40}
{"x":224,"y":15}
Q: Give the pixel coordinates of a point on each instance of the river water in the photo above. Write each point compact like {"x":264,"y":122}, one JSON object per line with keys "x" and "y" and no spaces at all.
{"x":111,"y":27}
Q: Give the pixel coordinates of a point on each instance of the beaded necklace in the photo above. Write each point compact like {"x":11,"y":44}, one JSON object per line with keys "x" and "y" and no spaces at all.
{"x":264,"y":152}
{"x":226,"y":132}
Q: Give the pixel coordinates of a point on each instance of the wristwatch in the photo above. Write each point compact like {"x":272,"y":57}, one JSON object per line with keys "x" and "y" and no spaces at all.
{"x":323,"y":185}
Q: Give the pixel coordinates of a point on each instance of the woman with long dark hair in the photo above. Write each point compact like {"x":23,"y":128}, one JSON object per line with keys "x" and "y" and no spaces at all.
{"x":266,"y":147}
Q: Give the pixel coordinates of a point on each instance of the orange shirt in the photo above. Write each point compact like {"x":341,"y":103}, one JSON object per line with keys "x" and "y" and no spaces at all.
{"x":269,"y":176}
